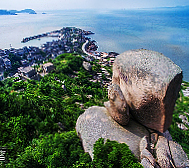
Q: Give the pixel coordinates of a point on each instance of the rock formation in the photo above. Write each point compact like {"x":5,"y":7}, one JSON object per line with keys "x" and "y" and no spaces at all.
{"x":96,"y":122}
{"x":163,"y":153}
{"x":150,"y":83}
{"x":178,"y":155}
{"x":142,"y":96}
{"x":168,"y":153}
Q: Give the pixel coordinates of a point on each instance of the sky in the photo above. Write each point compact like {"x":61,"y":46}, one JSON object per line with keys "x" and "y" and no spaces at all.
{"x":88,"y":4}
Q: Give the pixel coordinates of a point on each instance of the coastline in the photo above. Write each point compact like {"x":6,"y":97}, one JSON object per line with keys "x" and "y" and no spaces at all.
{"x":103,"y":42}
{"x":111,"y":36}
{"x":84,"y":46}
{"x":69,"y":41}
{"x":65,"y":44}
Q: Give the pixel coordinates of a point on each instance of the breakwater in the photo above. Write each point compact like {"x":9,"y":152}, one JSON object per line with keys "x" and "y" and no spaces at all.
{"x":48,"y":34}
{"x":55,"y":33}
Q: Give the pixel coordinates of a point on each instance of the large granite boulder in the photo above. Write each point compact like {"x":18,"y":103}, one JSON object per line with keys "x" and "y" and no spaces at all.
{"x":97,"y":123}
{"x":153,"y":149}
{"x":150,"y":83}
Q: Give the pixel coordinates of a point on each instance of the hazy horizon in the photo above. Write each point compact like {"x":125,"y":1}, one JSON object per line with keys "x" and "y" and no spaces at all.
{"x":88,"y":4}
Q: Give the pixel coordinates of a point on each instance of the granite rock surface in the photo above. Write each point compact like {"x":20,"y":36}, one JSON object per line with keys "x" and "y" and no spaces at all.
{"x":150,"y":83}
{"x":117,"y":105}
{"x":97,"y":123}
{"x":179,"y":156}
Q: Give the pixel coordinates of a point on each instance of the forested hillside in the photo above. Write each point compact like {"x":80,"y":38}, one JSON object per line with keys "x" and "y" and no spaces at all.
{"x":38,"y":120}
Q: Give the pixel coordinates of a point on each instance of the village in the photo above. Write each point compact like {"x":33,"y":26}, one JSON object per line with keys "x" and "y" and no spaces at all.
{"x":21,"y":62}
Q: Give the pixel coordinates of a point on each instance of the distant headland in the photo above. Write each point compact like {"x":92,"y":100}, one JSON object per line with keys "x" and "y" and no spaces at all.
{"x":15,"y":12}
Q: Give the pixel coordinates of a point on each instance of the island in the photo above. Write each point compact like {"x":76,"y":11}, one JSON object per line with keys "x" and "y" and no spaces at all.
{"x":5,"y":12}
{"x":15,"y":12}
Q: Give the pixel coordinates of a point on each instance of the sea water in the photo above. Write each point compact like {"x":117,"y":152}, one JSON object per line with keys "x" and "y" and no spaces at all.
{"x":164,"y":30}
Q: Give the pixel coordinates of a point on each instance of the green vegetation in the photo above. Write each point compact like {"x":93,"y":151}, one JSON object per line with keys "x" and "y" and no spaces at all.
{"x":64,"y":150}
{"x":181,"y":107}
{"x":31,"y":108}
{"x":54,"y":150}
{"x":16,"y":63}
{"x":113,"y":154}
{"x":38,"y":118}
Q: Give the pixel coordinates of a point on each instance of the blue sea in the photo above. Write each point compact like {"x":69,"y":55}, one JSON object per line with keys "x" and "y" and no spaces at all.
{"x":165,"y":30}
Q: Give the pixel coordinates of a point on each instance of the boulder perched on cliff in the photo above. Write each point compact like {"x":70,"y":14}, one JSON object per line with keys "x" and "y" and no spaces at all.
{"x":97,"y":123}
{"x":150,"y":83}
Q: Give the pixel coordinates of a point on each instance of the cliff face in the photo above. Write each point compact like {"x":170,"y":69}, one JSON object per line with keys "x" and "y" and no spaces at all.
{"x":144,"y":90}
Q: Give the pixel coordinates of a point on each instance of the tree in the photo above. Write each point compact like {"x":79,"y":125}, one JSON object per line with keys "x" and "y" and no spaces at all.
{"x":113,"y":154}
{"x":5,"y":74}
{"x":58,"y":150}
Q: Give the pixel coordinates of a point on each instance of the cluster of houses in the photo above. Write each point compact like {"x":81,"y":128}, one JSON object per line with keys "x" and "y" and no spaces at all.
{"x":27,"y":56}
{"x":105,"y":60}
{"x":69,"y":40}
{"x":29,"y":72}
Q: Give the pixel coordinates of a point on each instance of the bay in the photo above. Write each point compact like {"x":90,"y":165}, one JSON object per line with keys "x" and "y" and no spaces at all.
{"x":164,"y":30}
